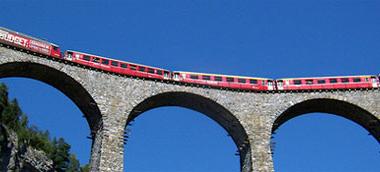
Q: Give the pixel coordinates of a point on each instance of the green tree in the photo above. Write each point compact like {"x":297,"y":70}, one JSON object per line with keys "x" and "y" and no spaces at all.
{"x":3,"y":97}
{"x":11,"y":114}
{"x":85,"y":168}
{"x":74,"y":165}
{"x":60,"y":154}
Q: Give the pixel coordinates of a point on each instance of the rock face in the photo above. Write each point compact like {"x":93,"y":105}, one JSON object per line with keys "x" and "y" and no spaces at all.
{"x":12,"y":145}
{"x":109,"y":102}
{"x":26,"y":159}
{"x":37,"y":160}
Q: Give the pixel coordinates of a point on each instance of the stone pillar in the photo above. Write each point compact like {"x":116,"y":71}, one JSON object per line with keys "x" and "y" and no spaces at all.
{"x":260,"y":139}
{"x":96,"y":150}
{"x":108,"y":144}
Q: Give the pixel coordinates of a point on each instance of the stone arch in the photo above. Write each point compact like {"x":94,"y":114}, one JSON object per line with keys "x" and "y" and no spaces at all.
{"x":341,"y":108}
{"x":61,"y":81}
{"x":206,"y":106}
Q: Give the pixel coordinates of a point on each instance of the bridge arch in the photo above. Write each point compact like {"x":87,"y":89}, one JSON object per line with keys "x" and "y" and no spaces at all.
{"x":206,"y":106}
{"x":61,"y":81}
{"x":341,"y":108}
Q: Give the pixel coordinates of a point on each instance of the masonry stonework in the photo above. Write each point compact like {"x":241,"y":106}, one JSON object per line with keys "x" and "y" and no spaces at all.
{"x":109,"y":102}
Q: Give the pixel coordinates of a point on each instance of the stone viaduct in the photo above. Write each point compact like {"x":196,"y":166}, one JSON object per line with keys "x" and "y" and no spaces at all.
{"x":109,"y":102}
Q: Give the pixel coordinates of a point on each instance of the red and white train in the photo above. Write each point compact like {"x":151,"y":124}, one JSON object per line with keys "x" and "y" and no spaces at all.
{"x":28,"y":43}
{"x":328,"y":83}
{"x":224,"y":81}
{"x":117,"y":66}
{"x":35,"y":45}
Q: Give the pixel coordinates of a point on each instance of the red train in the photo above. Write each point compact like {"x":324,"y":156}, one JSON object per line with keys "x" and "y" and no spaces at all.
{"x":224,"y":81}
{"x":328,"y":83}
{"x":28,"y":43}
{"x":117,"y":66}
{"x":34,"y":45}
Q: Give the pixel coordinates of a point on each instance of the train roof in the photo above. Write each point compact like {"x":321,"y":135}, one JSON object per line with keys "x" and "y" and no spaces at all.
{"x":235,"y":76}
{"x":25,"y":35}
{"x":327,"y":77}
{"x":117,"y":60}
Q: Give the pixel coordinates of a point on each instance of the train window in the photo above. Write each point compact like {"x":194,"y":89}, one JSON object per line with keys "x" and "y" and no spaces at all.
{"x":132,"y":67}
{"x":150,"y":70}
{"x":159,"y":72}
{"x":217,"y":78}
{"x":333,"y":81}
{"x":297,"y":82}
{"x":357,"y":79}
{"x":309,"y":81}
{"x":253,"y":81}
{"x":55,"y":48}
{"x":123,"y":65}
{"x":229,"y":79}
{"x":241,"y":80}
{"x":194,"y":76}
{"x":96,"y":60}
{"x":87,"y":58}
{"x":344,"y":80}
{"x":205,"y":77}
{"x":113,"y":63}
{"x":366,"y":79}
{"x":321,"y":81}
{"x":105,"y":61}
{"x":263,"y":82}
{"x":142,"y":69}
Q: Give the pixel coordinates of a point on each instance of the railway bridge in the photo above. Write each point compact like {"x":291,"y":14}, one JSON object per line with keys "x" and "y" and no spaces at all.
{"x":109,"y":102}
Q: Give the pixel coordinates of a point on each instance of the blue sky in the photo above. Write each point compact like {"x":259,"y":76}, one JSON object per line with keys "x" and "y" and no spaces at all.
{"x":270,"y":38}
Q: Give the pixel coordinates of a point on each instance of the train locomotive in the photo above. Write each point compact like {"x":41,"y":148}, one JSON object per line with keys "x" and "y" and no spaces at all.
{"x":29,"y":43}
{"x":34,"y":45}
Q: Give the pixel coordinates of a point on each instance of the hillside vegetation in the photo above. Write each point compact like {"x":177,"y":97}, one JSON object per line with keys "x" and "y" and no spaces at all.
{"x":56,"y":149}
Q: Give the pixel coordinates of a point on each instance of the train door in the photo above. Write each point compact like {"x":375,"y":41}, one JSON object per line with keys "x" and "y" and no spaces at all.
{"x":68,"y":55}
{"x":55,"y":51}
{"x":166,"y":75}
{"x":270,"y":85}
{"x":176,"y":76}
{"x":280,"y":85}
{"x":375,"y":82}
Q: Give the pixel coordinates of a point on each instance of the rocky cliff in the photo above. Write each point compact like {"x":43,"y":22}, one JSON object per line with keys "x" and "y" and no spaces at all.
{"x":18,"y":158}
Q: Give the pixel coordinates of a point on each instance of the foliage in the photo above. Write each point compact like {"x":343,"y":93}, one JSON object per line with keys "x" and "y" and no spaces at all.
{"x":57,"y":150}
{"x":74,"y":165}
{"x":85,"y":168}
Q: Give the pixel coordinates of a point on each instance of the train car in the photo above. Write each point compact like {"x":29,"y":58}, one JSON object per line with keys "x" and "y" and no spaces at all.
{"x":224,"y":81}
{"x":328,"y":83}
{"x":29,"y":43}
{"x":117,"y":66}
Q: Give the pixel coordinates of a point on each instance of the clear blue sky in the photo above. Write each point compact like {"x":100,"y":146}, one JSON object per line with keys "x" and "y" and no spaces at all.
{"x":272,"y":38}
